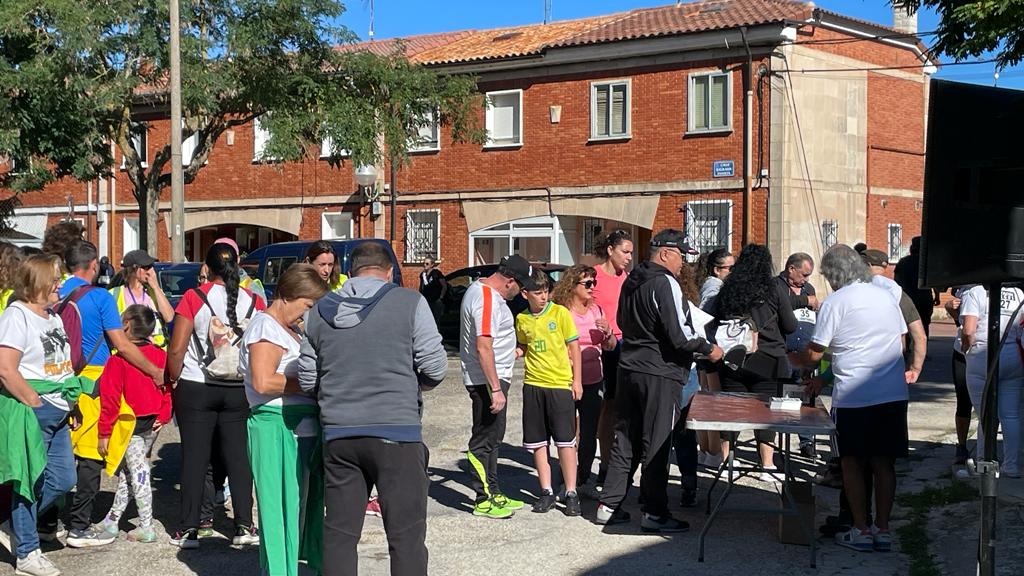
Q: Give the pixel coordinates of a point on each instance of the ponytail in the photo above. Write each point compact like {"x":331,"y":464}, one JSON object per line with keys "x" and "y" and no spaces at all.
{"x":222,"y":262}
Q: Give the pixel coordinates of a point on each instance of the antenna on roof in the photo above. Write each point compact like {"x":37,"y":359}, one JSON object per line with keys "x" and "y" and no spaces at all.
{"x":547,"y":11}
{"x":371,"y":20}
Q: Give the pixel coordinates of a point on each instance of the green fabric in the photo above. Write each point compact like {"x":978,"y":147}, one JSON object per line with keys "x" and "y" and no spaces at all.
{"x":70,"y":388}
{"x":22,"y":452}
{"x":288,"y":475}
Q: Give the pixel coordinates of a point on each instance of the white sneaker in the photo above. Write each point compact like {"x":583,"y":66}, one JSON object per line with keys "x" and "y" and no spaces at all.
{"x":7,"y":538}
{"x":771,"y":475}
{"x":35,"y":564}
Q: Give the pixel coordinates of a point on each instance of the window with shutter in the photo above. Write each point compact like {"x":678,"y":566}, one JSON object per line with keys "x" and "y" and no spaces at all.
{"x":504,"y":118}
{"x":609,"y":109}
{"x":709,"y":99}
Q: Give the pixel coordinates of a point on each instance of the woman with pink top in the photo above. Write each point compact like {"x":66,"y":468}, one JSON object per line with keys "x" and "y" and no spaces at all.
{"x":615,"y":250}
{"x":575,"y":291}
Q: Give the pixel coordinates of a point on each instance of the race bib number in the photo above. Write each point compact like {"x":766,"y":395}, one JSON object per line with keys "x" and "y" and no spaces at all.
{"x":806,"y":315}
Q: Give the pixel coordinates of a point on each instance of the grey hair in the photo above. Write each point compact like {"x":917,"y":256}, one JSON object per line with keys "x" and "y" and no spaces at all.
{"x":842,"y":266}
{"x":797,"y":260}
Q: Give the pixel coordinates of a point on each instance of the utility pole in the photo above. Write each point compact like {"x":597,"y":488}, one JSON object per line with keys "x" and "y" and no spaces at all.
{"x":177,"y":178}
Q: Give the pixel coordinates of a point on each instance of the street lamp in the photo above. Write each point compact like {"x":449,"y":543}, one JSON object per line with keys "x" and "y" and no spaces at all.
{"x":366,"y":175}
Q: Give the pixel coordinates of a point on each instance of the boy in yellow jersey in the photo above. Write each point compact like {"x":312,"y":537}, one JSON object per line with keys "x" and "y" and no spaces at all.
{"x":547,"y":336}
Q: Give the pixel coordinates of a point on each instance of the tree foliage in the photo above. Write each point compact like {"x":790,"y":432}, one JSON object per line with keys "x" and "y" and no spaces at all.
{"x":77,"y":76}
{"x":973,"y":29}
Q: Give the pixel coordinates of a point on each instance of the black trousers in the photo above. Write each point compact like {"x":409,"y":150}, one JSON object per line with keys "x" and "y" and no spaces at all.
{"x":215,"y":476}
{"x":85,"y":492}
{"x":206,"y":411}
{"x":648,"y":412}
{"x":399,"y":470}
{"x":487,"y":435}
{"x":589,"y":410}
{"x":684,"y":443}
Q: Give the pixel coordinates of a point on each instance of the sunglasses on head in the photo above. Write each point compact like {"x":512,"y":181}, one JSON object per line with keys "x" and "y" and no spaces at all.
{"x":588,"y":283}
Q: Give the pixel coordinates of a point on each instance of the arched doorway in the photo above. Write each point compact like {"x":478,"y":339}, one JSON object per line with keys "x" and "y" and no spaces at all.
{"x":248,"y":237}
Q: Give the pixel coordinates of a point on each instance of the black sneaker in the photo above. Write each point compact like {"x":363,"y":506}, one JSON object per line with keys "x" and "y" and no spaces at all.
{"x":544,"y":503}
{"x":689,"y":499}
{"x":572,"y":504}
{"x":663,"y":524}
{"x":186,"y":539}
{"x":246,"y":536}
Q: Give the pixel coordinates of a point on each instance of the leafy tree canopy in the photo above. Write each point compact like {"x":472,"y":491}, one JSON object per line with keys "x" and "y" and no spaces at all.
{"x":973,"y":29}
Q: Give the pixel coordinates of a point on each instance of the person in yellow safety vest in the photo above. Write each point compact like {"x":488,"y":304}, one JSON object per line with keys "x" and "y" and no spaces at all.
{"x":143,"y":287}
{"x":10,"y":259}
{"x":251,"y":284}
{"x":322,"y":256}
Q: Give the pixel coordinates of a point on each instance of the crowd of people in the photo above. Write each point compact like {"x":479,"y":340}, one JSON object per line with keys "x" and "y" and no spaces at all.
{"x":298,"y":402}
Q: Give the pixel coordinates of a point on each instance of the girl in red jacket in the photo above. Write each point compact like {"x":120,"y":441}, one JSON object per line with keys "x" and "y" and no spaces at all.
{"x":152,"y":409}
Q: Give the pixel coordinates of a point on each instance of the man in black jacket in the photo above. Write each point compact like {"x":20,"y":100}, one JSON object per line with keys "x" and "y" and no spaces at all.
{"x":658,"y":347}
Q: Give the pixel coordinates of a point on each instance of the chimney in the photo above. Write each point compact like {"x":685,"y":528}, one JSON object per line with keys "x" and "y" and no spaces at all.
{"x":903,"y":20}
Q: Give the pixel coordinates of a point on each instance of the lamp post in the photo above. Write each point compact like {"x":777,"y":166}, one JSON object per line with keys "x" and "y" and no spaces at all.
{"x":177,"y":178}
{"x":365,"y":176}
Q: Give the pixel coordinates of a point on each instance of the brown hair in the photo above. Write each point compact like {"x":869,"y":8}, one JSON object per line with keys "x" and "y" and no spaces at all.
{"x":141,"y":319}
{"x":10,"y":258}
{"x":688,"y":284}
{"x":61,"y":236}
{"x":301,"y":281}
{"x":321,"y":247}
{"x":36,"y":277}
{"x":541,"y":280}
{"x":562,"y":294}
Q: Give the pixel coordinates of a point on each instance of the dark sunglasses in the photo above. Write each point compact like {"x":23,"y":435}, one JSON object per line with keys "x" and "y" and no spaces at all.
{"x":724,"y":267}
{"x":150,"y":267}
{"x":588,"y":283}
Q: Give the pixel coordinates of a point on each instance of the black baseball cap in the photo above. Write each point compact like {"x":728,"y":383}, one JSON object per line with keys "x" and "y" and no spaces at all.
{"x":875,"y":258}
{"x":139,"y":258}
{"x":516,"y":267}
{"x":671,"y":238}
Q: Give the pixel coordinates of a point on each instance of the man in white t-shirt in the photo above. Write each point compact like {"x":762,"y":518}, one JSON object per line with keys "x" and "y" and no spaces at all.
{"x":862,"y":326}
{"x":487,"y":346}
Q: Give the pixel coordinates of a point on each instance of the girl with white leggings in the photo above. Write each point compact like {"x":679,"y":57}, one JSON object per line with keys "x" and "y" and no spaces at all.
{"x":974,"y":320}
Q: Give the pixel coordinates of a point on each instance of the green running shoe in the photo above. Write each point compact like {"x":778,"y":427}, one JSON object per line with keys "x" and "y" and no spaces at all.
{"x":489,"y":509}
{"x":506,"y":502}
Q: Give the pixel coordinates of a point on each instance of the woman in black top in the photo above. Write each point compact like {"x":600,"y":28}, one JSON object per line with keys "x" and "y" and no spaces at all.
{"x":751,"y":292}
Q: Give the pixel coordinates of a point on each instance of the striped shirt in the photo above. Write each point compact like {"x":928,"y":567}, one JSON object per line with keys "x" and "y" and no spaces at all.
{"x":485,"y":313}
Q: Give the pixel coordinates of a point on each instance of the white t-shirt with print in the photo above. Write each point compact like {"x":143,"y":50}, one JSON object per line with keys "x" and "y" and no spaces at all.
{"x":193,"y":308}
{"x":975,"y":303}
{"x":485,"y":313}
{"x":863,"y":326}
{"x":44,"y":347}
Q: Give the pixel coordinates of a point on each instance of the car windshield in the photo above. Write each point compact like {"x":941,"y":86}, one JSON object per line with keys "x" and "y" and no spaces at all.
{"x":177,"y":282}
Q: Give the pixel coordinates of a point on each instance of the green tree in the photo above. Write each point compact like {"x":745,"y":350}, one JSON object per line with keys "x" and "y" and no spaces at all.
{"x":972,"y":29}
{"x":77,"y":76}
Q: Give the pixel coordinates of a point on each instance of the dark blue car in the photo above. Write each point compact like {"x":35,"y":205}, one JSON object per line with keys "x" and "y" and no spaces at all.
{"x":268,"y":262}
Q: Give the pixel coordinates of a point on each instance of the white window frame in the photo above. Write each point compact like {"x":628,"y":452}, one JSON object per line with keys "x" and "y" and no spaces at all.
{"x":824,"y":224}
{"x":691,"y":113}
{"x":489,"y":119}
{"x":689,"y":218}
{"x":140,"y":141}
{"x":434,"y":146}
{"x":627,"y":111}
{"x":327,"y":230}
{"x":325,"y":148}
{"x":409,"y":258}
{"x":534,"y":227}
{"x":260,"y":138}
{"x":895,"y":252}
{"x":188,"y":145}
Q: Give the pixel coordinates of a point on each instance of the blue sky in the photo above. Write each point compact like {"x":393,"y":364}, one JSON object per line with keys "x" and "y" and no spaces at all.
{"x":407,"y":17}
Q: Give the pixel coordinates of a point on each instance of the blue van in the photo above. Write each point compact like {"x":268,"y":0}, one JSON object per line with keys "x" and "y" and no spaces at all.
{"x":268,"y":262}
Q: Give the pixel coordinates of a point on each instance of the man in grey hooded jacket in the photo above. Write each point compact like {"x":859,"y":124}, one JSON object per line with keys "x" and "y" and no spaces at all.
{"x":369,"y":351}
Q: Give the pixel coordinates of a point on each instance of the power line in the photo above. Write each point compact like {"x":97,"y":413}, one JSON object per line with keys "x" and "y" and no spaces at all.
{"x":881,"y":68}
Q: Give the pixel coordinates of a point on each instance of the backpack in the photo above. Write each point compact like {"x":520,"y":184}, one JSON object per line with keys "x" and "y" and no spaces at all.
{"x":220,"y":359}
{"x":737,"y":337}
{"x":71,"y":316}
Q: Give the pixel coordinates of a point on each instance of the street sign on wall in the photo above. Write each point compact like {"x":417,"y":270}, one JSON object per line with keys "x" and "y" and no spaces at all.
{"x":723,"y":169}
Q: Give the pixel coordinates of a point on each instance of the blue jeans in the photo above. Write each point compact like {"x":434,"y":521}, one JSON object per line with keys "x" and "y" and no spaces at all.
{"x":58,"y":478}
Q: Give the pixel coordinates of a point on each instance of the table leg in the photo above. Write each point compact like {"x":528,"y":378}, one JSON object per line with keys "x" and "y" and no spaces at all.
{"x":721,"y":500}
{"x":789,"y":502}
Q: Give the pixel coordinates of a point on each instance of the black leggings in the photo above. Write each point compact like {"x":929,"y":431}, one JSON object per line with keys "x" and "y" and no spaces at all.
{"x":963,"y":397}
{"x":204,"y":410}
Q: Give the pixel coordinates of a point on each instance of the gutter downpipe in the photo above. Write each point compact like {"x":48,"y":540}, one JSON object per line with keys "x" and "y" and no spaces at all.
{"x":748,"y":143}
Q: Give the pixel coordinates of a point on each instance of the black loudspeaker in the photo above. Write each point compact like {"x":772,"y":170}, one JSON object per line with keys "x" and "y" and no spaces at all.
{"x":973,"y":225}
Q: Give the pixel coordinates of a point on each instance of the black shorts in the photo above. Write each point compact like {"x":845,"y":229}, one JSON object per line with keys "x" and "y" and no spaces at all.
{"x":879,"y":430}
{"x":548,"y":413}
{"x":610,"y":366}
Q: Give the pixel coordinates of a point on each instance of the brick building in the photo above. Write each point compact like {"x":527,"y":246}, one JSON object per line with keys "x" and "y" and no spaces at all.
{"x":736,"y":120}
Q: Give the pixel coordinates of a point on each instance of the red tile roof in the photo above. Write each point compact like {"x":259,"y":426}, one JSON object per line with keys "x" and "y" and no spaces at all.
{"x":413,"y":44}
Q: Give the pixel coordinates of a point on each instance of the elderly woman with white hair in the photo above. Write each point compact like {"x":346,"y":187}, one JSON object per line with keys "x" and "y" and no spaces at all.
{"x":863,"y":328}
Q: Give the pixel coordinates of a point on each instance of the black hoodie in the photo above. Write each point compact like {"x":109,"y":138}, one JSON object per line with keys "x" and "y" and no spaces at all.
{"x":657,"y":334}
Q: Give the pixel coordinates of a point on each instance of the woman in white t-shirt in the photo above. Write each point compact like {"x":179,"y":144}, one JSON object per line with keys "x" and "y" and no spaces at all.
{"x":209,"y":395}
{"x":974,"y":343}
{"x":284,"y":433}
{"x":35,"y":372}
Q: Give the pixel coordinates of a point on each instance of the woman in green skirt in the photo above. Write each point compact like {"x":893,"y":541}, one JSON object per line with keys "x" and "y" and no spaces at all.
{"x":284,"y":428}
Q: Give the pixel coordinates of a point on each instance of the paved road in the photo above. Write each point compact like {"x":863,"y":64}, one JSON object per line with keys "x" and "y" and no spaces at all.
{"x":553,"y":543}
